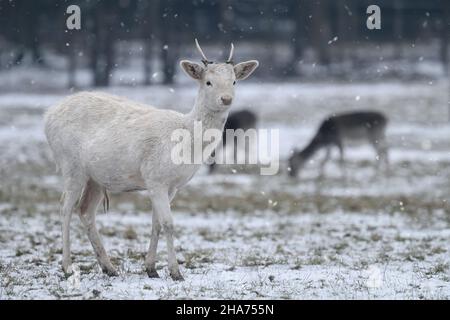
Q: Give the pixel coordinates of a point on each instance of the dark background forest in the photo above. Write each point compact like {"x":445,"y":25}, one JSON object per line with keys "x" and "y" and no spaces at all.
{"x":330,"y":35}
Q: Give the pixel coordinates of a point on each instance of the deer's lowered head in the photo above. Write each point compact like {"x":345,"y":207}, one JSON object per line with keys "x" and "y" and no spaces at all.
{"x":299,"y":158}
{"x":217,"y":80}
{"x":296,"y":162}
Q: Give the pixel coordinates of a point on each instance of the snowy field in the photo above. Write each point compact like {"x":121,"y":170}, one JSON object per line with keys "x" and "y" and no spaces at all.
{"x":239,"y":234}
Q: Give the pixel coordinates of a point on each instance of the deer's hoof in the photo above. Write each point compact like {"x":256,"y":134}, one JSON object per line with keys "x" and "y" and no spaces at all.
{"x":152,"y":273}
{"x":110,"y":271}
{"x":176,"y":276}
{"x":67,"y":269}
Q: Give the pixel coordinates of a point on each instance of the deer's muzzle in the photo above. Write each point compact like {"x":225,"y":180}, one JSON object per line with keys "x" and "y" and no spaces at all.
{"x":226,"y":100}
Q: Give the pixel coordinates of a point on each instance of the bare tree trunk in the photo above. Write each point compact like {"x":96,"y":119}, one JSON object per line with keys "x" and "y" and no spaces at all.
{"x":299,"y":17}
{"x":28,"y":35}
{"x":151,"y":34}
{"x":93,"y":64}
{"x":108,"y":58}
{"x":347,"y":30}
{"x":94,"y":45}
{"x":102,"y":53}
{"x":72,"y":65}
{"x":321,"y":31}
{"x":146,"y":35}
{"x":226,"y":22}
{"x":345,"y":25}
{"x":398,"y":26}
{"x":170,"y":38}
{"x":166,"y":56}
{"x":445,"y":36}
{"x":341,"y":29}
{"x":148,"y":63}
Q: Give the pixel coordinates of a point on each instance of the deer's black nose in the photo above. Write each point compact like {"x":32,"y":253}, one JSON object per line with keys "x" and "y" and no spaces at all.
{"x":226,"y":100}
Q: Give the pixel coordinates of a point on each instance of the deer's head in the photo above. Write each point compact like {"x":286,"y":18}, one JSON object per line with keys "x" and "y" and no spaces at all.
{"x":296,"y":162}
{"x":217,"y":80}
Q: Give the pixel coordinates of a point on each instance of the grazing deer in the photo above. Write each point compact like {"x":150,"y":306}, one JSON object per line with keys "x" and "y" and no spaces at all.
{"x":102,"y":142}
{"x":237,"y":120}
{"x":338,"y":129}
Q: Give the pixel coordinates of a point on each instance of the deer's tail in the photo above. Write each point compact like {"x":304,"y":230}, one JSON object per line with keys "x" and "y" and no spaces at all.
{"x":105,"y":201}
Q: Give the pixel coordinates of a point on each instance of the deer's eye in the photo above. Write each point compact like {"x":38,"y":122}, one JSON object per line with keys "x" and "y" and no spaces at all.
{"x":234,"y":82}
{"x":208,"y":83}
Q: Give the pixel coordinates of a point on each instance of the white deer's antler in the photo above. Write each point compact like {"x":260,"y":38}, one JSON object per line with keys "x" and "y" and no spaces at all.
{"x":230,"y":58}
{"x":205,"y":59}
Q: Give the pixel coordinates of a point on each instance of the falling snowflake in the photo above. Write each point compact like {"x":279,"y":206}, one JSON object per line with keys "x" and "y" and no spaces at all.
{"x":333,"y":40}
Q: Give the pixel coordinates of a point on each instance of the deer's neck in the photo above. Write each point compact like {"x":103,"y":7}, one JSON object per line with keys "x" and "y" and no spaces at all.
{"x":209,"y":119}
{"x":315,"y":145}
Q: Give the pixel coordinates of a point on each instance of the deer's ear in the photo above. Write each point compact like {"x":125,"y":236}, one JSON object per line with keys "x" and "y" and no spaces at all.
{"x":244,"y":69}
{"x":193,"y":69}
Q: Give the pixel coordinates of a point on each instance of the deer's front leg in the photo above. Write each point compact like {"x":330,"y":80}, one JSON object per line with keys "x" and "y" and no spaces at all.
{"x":324,"y":162}
{"x":161,"y":208}
{"x":150,"y":260}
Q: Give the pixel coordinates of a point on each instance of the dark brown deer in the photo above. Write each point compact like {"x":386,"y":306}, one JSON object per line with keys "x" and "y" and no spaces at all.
{"x":237,"y":120}
{"x":367,"y":126}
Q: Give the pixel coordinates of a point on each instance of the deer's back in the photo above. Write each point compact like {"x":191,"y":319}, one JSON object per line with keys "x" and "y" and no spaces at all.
{"x":89,"y":111}
{"x":86,"y":127}
{"x":241,"y":120}
{"x":353,"y":125}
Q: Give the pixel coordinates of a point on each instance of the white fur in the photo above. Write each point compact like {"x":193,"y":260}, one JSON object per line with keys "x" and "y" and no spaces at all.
{"x":103,"y":142}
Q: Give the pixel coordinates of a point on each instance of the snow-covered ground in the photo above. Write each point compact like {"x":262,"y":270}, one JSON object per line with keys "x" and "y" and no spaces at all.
{"x":239,"y":234}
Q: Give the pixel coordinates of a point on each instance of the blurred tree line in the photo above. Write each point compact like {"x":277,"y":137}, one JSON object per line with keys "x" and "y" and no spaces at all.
{"x":28,"y":27}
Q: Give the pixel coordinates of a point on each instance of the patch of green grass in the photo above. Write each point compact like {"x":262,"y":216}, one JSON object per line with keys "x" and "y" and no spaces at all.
{"x":315,"y":261}
{"x":399,"y":238}
{"x":415,"y":256}
{"x":130,"y":233}
{"x":136,"y":255}
{"x":88,"y":268}
{"x":438,"y":250}
{"x":256,"y":259}
{"x":339,"y":247}
{"x":108,"y":231}
{"x":194,"y":259}
{"x":211,"y":236}
{"x":375,"y":237}
{"x":20,"y":252}
{"x":440,"y":267}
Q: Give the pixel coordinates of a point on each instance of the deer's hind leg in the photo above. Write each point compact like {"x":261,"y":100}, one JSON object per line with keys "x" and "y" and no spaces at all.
{"x":92,"y":196}
{"x":340,"y":147}
{"x":150,"y":259}
{"x":384,"y":153}
{"x":324,"y":161}
{"x":378,"y":141}
{"x":73,"y":187}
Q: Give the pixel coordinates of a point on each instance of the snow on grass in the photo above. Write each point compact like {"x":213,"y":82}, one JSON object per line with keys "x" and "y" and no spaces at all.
{"x":238,"y":234}
{"x":232,"y":255}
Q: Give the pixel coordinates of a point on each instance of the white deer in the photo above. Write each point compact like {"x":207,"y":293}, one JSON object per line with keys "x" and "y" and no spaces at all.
{"x":102,"y":142}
